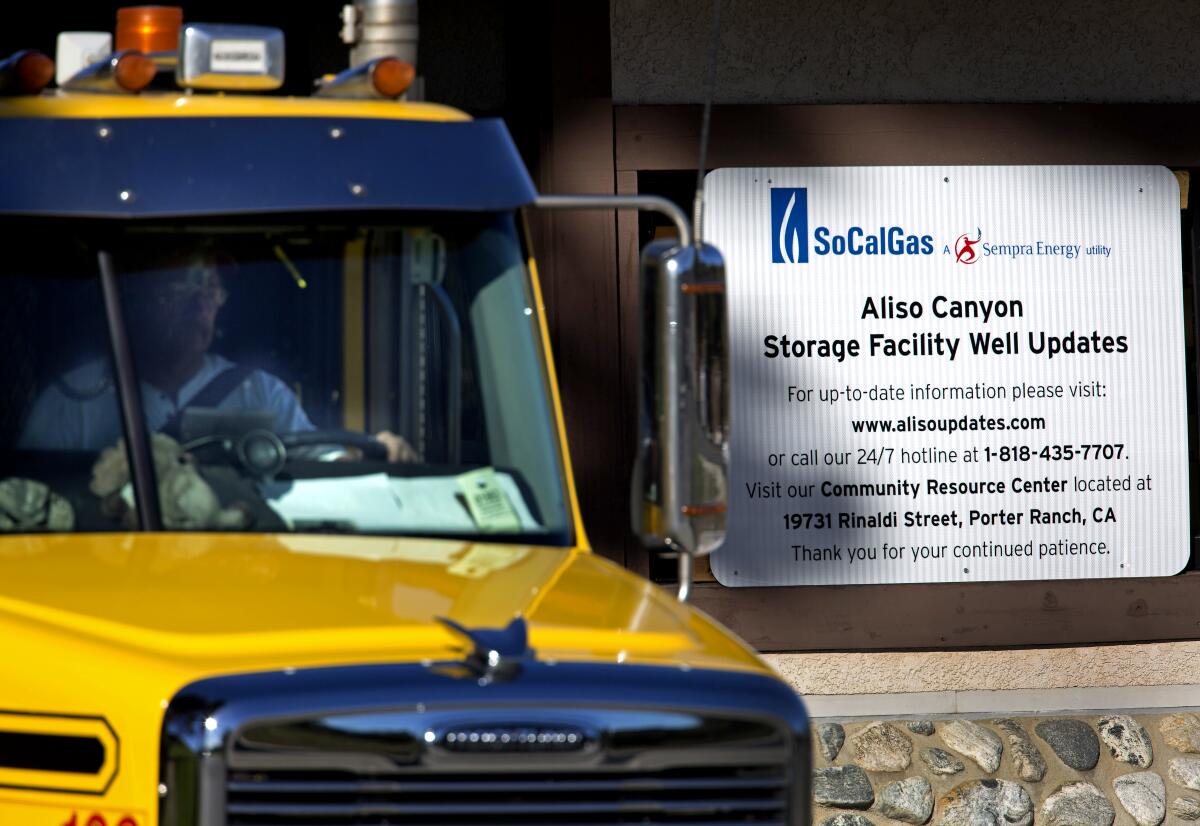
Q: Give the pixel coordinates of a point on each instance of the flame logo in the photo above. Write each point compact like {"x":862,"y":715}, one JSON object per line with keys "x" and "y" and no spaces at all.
{"x":790,"y":256}
{"x":789,"y":219}
{"x":964,"y":248}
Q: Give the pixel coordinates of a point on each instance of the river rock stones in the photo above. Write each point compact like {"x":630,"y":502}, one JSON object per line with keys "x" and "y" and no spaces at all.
{"x":843,"y":787}
{"x":1127,"y":740}
{"x":1027,"y":760}
{"x":1186,"y":808}
{"x":976,"y":742}
{"x":1144,"y":796}
{"x":1100,"y":774}
{"x":881,"y":747}
{"x":1073,"y":741}
{"x":847,"y":820}
{"x":1182,"y":732}
{"x":909,"y":800}
{"x":941,"y":762}
{"x":1077,"y":804}
{"x":986,"y":803}
{"x":1186,"y":772}
{"x":830,"y":737}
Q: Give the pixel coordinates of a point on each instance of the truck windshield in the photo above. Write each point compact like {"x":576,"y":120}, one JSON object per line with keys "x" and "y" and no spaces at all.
{"x":302,"y":374}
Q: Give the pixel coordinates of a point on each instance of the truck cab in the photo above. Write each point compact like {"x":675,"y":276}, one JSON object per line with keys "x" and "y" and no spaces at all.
{"x":288,"y":531}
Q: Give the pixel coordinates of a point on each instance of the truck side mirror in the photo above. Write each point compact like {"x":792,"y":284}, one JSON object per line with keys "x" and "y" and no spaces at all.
{"x":681,"y":473}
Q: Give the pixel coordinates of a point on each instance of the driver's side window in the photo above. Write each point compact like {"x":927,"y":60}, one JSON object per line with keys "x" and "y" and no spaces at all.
{"x":59,"y":406}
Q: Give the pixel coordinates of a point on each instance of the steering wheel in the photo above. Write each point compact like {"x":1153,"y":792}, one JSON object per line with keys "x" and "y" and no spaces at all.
{"x":263,"y":453}
{"x":370,"y":447}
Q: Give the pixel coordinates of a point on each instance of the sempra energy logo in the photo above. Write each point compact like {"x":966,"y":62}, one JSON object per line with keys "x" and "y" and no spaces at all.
{"x":968,"y":250}
{"x":964,"y":247}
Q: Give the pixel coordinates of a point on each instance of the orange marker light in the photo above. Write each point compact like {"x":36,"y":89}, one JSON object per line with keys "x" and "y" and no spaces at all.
{"x":134,"y":71}
{"x":26,"y":72}
{"x":33,"y":73}
{"x":148,"y":28}
{"x":392,"y":77}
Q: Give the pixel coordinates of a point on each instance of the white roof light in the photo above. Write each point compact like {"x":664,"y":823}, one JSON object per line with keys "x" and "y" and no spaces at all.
{"x":78,"y":50}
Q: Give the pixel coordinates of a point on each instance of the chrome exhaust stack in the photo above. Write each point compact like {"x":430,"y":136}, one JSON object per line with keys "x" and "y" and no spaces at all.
{"x":380,"y":28}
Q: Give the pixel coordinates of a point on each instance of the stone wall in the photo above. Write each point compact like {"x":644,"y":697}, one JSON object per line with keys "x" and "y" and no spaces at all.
{"x":1118,"y":768}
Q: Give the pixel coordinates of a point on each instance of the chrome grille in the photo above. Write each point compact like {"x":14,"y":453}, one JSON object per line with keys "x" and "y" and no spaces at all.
{"x":568,"y":744}
{"x":712,"y":795}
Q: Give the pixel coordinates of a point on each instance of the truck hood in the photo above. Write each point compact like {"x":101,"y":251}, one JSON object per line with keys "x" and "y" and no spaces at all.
{"x":247,"y":602}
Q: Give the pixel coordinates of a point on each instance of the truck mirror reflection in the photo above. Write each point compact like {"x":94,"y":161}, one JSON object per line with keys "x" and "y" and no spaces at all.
{"x":681,"y":474}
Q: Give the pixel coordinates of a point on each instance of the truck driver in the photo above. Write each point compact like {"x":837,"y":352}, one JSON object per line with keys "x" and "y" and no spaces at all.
{"x":172,"y":298}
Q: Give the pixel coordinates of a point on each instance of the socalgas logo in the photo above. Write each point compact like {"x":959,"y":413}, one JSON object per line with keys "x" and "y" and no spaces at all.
{"x":790,"y":235}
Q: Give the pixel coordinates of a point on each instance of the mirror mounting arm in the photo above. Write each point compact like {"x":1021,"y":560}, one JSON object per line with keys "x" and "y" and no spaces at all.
{"x":645,"y":203}
{"x":685,"y":577}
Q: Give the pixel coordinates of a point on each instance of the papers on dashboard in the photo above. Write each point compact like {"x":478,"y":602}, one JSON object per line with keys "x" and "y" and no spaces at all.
{"x":380,"y":503}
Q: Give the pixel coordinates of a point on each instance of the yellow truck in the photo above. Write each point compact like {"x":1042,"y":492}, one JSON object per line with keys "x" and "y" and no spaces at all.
{"x":289,"y":528}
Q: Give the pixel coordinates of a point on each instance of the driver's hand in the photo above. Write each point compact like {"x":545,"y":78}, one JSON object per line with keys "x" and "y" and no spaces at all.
{"x":398,"y":449}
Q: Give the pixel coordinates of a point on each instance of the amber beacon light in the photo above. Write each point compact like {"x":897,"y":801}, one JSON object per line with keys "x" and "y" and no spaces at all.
{"x":148,"y":29}
{"x":25,"y":73}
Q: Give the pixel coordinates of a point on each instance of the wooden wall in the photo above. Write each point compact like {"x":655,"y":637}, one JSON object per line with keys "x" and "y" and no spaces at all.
{"x":590,"y":270}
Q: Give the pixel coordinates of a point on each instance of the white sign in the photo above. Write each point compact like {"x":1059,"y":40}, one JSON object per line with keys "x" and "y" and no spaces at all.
{"x":953,"y":374}
{"x":241,"y":56}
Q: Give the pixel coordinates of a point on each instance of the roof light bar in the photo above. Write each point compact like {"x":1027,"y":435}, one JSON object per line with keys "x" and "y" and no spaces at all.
{"x":384,"y":77}
{"x":125,"y":71}
{"x":236,"y":58}
{"x":26,"y":72}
